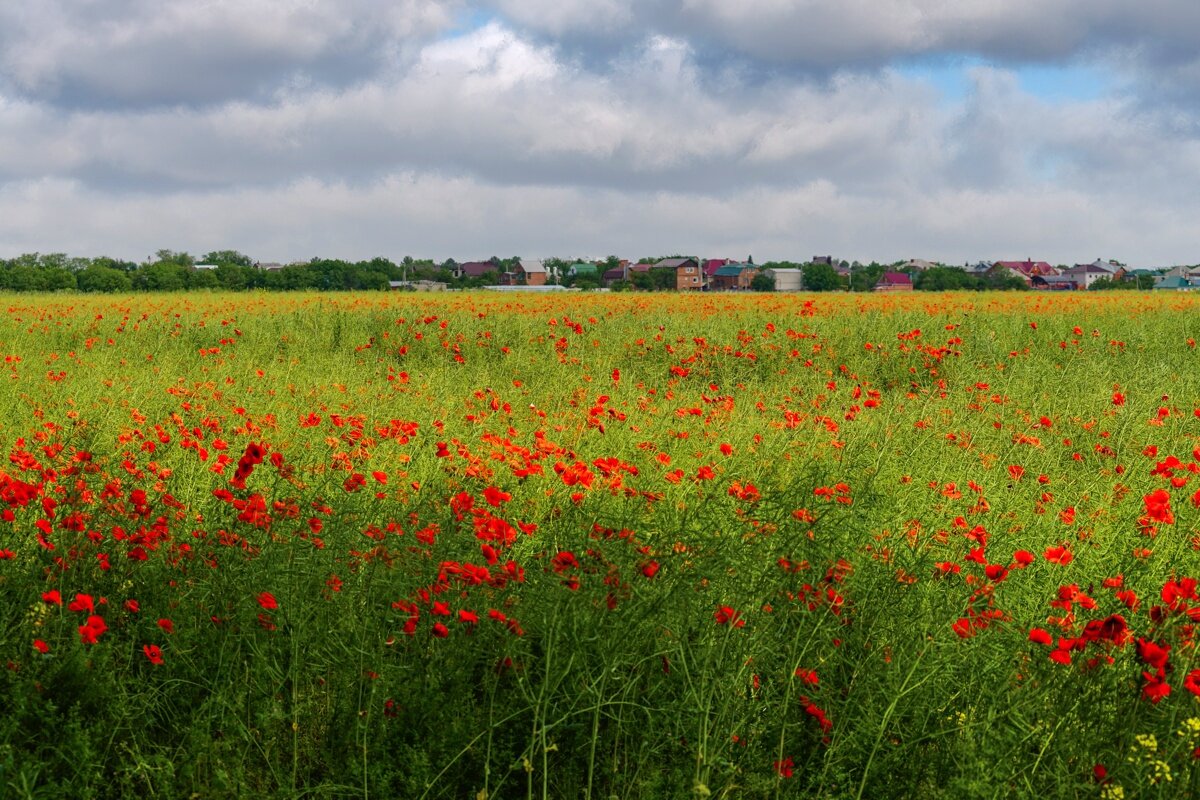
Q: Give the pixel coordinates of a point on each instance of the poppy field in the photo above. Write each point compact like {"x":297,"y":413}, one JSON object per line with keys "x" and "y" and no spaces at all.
{"x":494,"y":546}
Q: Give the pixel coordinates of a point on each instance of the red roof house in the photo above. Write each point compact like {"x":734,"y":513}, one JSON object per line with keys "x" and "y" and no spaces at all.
{"x":894,"y":282}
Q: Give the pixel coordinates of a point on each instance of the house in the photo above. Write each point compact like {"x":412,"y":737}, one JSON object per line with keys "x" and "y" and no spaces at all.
{"x":530,"y":273}
{"x":1110,"y":267}
{"x":733,"y":277}
{"x":1139,"y":277}
{"x":1025,"y":270}
{"x":894,"y":282}
{"x":711,"y":265}
{"x":1185,"y":272}
{"x":1176,"y":283}
{"x":786,"y":280}
{"x":1085,"y":275}
{"x":475,"y":269}
{"x":269,"y":266}
{"x":1054,"y":282}
{"x":822,"y":260}
{"x":204,"y":266}
{"x":611,"y":276}
{"x":916,"y":265}
{"x":687,"y":272}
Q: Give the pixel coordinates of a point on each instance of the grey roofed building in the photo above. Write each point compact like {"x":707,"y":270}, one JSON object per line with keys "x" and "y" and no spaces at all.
{"x":1176,"y":283}
{"x":672,"y":263}
{"x":476,"y":269}
{"x":1101,"y":264}
{"x":532,"y":265}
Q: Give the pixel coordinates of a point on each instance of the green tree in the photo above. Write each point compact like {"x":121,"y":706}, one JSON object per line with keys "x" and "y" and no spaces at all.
{"x":100,"y":278}
{"x":236,"y":277}
{"x":228,"y":257}
{"x":943,"y":279}
{"x":863,"y":279}
{"x":172,"y":257}
{"x":821,"y":278}
{"x":162,"y":276}
{"x":203,"y":279}
{"x":115,"y":263}
{"x":762,"y":283}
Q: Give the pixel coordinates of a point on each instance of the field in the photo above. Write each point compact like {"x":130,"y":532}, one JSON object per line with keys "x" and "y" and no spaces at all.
{"x":600,"y":546}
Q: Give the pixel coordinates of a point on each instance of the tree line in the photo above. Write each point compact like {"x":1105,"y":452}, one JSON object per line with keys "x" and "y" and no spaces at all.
{"x":230,"y":270}
{"x":169,"y":270}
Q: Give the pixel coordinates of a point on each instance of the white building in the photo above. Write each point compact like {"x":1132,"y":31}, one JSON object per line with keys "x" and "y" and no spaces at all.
{"x":786,"y":280}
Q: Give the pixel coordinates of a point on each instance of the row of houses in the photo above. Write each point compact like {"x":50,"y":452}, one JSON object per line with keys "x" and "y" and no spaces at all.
{"x":725,"y":274}
{"x":1043,"y":275}
{"x":688,"y":273}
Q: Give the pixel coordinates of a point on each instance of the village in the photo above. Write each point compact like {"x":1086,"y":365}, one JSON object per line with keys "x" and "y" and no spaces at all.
{"x":820,"y":273}
{"x":230,"y":270}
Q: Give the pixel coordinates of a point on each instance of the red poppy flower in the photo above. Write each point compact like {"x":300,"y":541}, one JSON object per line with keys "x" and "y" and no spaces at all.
{"x":496,"y":497}
{"x":154,"y":653}
{"x":727,"y":615}
{"x":89,"y":632}
{"x":1058,"y":555}
{"x":807,"y":675}
{"x":1156,"y":686}
{"x":1152,"y":653}
{"x":268,"y":601}
{"x":1039,"y":636}
{"x":1192,"y":682}
{"x":82,"y":602}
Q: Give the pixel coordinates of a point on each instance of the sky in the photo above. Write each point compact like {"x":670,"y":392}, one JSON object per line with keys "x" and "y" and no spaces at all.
{"x":949,"y":130}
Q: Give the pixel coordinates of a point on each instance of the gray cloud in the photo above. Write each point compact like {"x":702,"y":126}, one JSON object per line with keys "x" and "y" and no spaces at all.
{"x":834,"y":34}
{"x":137,"y":53}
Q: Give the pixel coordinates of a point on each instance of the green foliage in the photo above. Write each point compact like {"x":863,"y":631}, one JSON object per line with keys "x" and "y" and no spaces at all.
{"x":762,"y":283}
{"x":228,"y":257}
{"x":821,"y":278}
{"x":943,"y":279}
{"x":162,"y":276}
{"x":1130,"y":283}
{"x":98,"y":278}
{"x":863,"y":279}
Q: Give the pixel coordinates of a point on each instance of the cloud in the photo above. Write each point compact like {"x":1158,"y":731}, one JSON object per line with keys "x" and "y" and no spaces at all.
{"x":137,"y":53}
{"x":437,"y":216}
{"x":307,"y":128}
{"x":494,"y":105}
{"x":827,"y":35}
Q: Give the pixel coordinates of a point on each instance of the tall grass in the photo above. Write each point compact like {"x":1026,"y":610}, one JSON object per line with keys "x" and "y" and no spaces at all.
{"x":479,"y":546}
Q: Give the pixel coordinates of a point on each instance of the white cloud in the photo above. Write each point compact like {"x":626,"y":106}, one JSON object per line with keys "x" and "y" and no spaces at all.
{"x":437,"y":216}
{"x":504,"y":140}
